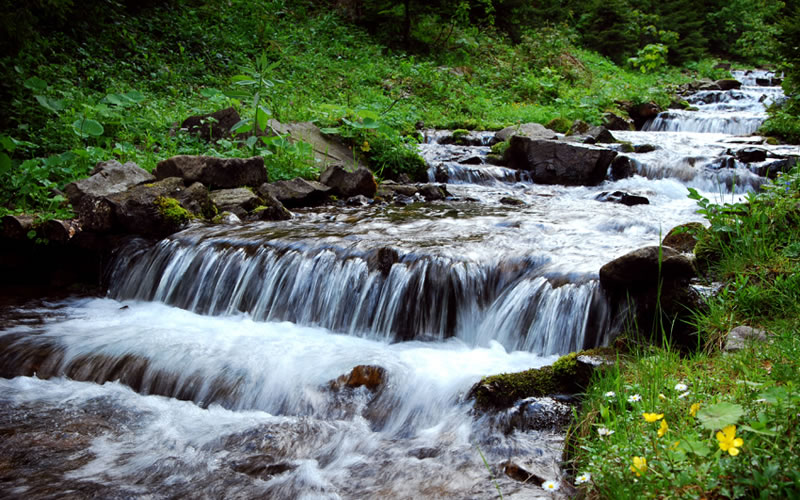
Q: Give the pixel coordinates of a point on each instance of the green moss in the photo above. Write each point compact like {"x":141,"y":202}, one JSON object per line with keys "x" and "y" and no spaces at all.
{"x":627,"y":147}
{"x":559,"y":124}
{"x":500,"y":148}
{"x":773,"y":141}
{"x":172,"y":210}
{"x":459,"y":133}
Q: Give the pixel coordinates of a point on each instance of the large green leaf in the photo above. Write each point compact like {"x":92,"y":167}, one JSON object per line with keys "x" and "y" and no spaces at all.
{"x":86,"y":127}
{"x":36,"y":84}
{"x":52,"y":105}
{"x":720,"y":415}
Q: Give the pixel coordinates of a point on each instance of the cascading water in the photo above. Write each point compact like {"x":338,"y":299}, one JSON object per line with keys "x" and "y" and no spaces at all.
{"x":215,"y":366}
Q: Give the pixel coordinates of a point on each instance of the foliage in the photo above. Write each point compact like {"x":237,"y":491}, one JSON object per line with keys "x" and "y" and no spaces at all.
{"x":650,"y":58}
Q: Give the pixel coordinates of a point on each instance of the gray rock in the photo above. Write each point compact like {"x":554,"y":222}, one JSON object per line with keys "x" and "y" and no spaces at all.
{"x":640,"y":269}
{"x":738,"y":338}
{"x":108,"y":177}
{"x":558,"y":162}
{"x":228,"y":218}
{"x":346,"y":184}
{"x":239,"y":201}
{"x":529,"y":130}
{"x":271,"y":209}
{"x":216,"y":173}
{"x":615,"y":122}
{"x":600,"y":135}
{"x":328,"y":150}
{"x":297,"y":192}
{"x":432,"y":192}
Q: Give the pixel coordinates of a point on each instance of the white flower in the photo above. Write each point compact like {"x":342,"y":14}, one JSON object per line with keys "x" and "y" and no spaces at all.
{"x":683,"y":395}
{"x":583,"y":478}
{"x":610,"y":394}
{"x":550,"y":485}
{"x":634,"y":399}
{"x":604,"y":431}
{"x":681,"y":387}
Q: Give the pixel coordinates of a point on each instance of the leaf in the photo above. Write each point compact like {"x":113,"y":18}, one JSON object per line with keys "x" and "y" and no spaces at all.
{"x":36,"y":84}
{"x":697,"y":447}
{"x":720,"y":415}
{"x":237,"y":94}
{"x":52,"y":105}
{"x":5,"y":163}
{"x":87,"y":127}
{"x":262,"y":118}
{"x":8,"y":143}
{"x":134,"y":96}
{"x":243,"y":126}
{"x":209,"y":92}
{"x":330,"y":130}
{"x":765,"y":432}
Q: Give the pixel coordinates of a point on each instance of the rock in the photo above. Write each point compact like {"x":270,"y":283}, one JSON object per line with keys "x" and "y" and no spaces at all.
{"x":723,"y":66}
{"x":297,"y":192}
{"x":728,"y":84}
{"x":108,"y":177}
{"x":227,"y":218}
{"x":613,"y":121}
{"x":16,"y":227}
{"x":529,"y":130}
{"x":579,"y":127}
{"x":644,"y":148}
{"x":622,"y":198}
{"x":261,"y":467}
{"x":215,"y":173}
{"x":390,"y":188}
{"x":346,"y":184}
{"x":764,"y":82}
{"x":557,"y":162}
{"x":383,"y":259}
{"x":328,"y":150}
{"x":708,"y":86}
{"x":358,"y":200}
{"x":739,"y":337}
{"x":471,"y":160}
{"x":518,"y":473}
{"x":239,"y":201}
{"x":508,"y":200}
{"x":751,"y":155}
{"x":271,"y":209}
{"x":196,"y":200}
{"x":622,"y":167}
{"x":59,"y":231}
{"x":639,"y":269}
{"x":534,"y":414}
{"x":682,"y":238}
{"x":773,"y":168}
{"x":642,"y":113}
{"x":600,"y":135}
{"x":370,"y":376}
{"x":432,"y":192}
{"x":212,"y":126}
{"x":462,"y":137}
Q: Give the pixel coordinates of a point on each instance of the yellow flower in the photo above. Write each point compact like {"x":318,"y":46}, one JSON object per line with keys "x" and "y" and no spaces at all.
{"x":693,"y":409}
{"x":663,"y":429}
{"x":662,"y":397}
{"x":365,"y":147}
{"x":639,"y":465}
{"x":728,"y":440}
{"x":652,"y":417}
{"x":675,"y":445}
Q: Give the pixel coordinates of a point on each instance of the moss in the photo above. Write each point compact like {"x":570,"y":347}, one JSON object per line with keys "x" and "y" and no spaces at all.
{"x":500,"y":148}
{"x":459,"y":133}
{"x":773,"y":141}
{"x":560,"y":124}
{"x":627,"y":147}
{"x":172,"y":210}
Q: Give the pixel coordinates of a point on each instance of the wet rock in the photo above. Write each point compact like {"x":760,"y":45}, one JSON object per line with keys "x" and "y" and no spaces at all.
{"x":108,"y":177}
{"x":262,"y":467}
{"x":227,"y":218}
{"x":622,"y":198}
{"x":508,"y":200}
{"x":297,"y":192}
{"x":16,"y":227}
{"x":641,"y":269}
{"x":368,"y":376}
{"x":239,"y":201}
{"x":719,"y":163}
{"x":600,"y":135}
{"x":518,"y":473}
{"x":682,"y":238}
{"x":558,"y":162}
{"x":642,"y":113}
{"x":346,"y":184}
{"x":471,"y":160}
{"x":613,"y":121}
{"x":739,"y":337}
{"x":750,"y":155}
{"x":534,"y":414}
{"x":529,"y":130}
{"x":708,"y":86}
{"x":391,"y":188}
{"x":212,"y":126}
{"x":432,"y":192}
{"x":579,"y":127}
{"x":622,"y":167}
{"x":215,"y":173}
{"x":270,"y":209}
{"x":728,"y":84}
{"x":644,"y":148}
{"x":425,"y":452}
{"x":440,"y":174}
{"x":773,"y":168}
{"x":357,"y":201}
{"x":383,"y":259}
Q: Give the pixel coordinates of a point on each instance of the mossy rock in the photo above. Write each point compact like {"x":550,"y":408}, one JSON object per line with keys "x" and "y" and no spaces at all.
{"x":460,"y":133}
{"x":172,"y":211}
{"x":560,"y":124}
{"x":568,"y":375}
{"x":627,"y":147}
{"x":500,"y":148}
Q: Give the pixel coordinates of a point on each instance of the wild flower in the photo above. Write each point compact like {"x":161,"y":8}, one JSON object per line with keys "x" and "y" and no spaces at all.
{"x":662,"y":397}
{"x":634,"y":399}
{"x":550,"y":485}
{"x":652,"y":417}
{"x":610,"y":394}
{"x":728,"y":440}
{"x":684,"y":394}
{"x":604,"y":431}
{"x":663,"y":428}
{"x":639,"y":465}
{"x":583,"y":478}
{"x":693,"y":409}
{"x":681,"y":387}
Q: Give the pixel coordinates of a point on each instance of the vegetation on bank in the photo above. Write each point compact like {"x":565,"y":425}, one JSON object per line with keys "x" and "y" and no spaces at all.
{"x":711,"y":424}
{"x":114,"y":80}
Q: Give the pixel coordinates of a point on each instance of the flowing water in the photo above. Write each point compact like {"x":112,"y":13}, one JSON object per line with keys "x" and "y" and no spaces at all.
{"x":210,"y":368}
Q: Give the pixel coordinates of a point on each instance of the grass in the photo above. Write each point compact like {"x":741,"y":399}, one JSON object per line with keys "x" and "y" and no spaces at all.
{"x":701,"y":395}
{"x":134,"y":77}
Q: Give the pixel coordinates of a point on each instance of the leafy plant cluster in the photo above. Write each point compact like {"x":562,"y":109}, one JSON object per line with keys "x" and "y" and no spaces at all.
{"x":709,"y":424}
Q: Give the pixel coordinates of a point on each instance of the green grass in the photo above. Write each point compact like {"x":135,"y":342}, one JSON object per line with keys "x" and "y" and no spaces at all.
{"x":757,"y":260}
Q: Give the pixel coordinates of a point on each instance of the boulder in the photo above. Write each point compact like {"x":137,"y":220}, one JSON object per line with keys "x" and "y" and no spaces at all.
{"x":328,"y":150}
{"x":530,"y":130}
{"x":773,"y":168}
{"x":558,"y":162}
{"x":432,"y":192}
{"x":623,"y":198}
{"x":599,"y":135}
{"x":508,"y":200}
{"x":613,"y":121}
{"x":728,"y":84}
{"x":108,"y":177}
{"x":751,"y":155}
{"x":370,"y":376}
{"x":345,"y":183}
{"x":644,"y":148}
{"x":579,"y":127}
{"x":640,"y":269}
{"x":16,"y":227}
{"x":682,"y":238}
{"x":297,"y":192}
{"x":212,"y":126}
{"x":383,"y":259}
{"x":738,"y":338}
{"x":271,"y":209}
{"x":642,"y":113}
{"x":622,"y":167}
{"x":238,"y":201}
{"x":215,"y":173}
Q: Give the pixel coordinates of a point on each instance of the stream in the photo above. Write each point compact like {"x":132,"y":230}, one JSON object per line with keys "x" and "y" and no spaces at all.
{"x":209,"y":370}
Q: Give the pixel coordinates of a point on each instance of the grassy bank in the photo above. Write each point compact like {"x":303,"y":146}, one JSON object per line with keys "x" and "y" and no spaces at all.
{"x":117,"y":87}
{"x":711,"y":424}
